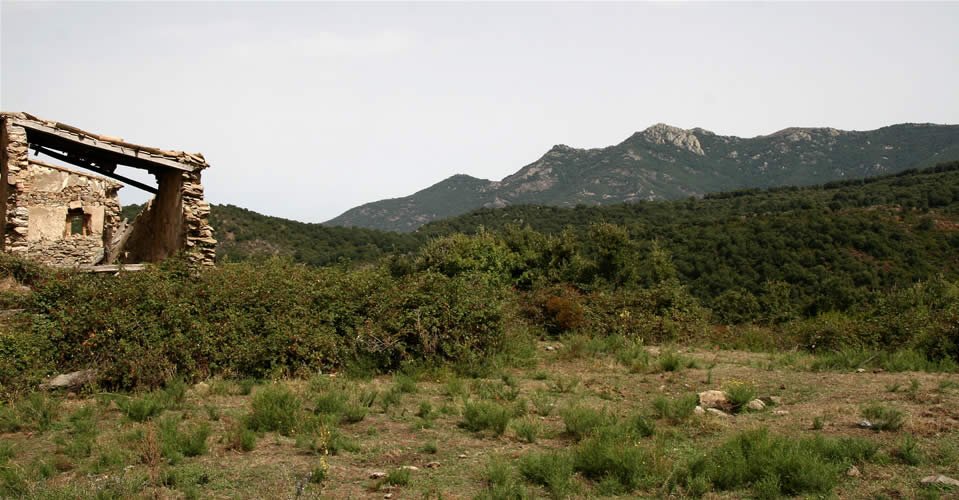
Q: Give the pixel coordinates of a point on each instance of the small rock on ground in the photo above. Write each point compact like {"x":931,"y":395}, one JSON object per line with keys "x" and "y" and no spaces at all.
{"x":717,"y":412}
{"x":853,"y":472}
{"x":756,"y":405}
{"x":699,"y":410}
{"x":713,"y":399}
{"x":940,"y":479}
{"x":377,"y":475}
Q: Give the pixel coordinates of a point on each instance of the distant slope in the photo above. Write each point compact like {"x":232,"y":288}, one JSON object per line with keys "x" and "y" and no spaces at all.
{"x":664,"y":162}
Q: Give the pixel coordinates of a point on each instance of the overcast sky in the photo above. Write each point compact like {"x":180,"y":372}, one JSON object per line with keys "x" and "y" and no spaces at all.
{"x":305,"y":110}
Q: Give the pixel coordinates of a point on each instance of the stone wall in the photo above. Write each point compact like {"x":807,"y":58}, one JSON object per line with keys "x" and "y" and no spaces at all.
{"x":48,"y":196}
{"x":176,"y":221}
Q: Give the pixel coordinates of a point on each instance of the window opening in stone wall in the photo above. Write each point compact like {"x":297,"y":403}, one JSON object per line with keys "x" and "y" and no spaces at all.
{"x":78,"y":223}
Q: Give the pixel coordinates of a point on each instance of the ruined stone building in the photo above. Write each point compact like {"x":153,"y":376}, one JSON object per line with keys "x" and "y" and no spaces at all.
{"x":64,"y":217}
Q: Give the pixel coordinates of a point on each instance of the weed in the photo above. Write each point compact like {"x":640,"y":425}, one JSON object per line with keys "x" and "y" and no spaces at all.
{"x":426,"y":410}
{"x":239,"y":437}
{"x":565,"y":384}
{"x":330,"y":403}
{"x":634,"y":357}
{"x":212,"y":412}
{"x":390,"y":398}
{"x":543,"y":402}
{"x":275,"y":409}
{"x":482,"y":415}
{"x":495,"y":390}
{"x":175,"y":442}
{"x":908,"y":451}
{"x":740,"y":394}
{"x":774,"y":466}
{"x":883,"y":418}
{"x":671,"y":361}
{"x":580,"y":421}
{"x":143,"y":408}
{"x":946,"y":385}
{"x":404,"y":383}
{"x":675,"y":410}
{"x":501,"y":482}
{"x":913,"y":391}
{"x":528,"y":429}
{"x":9,"y":419}
{"x":398,"y":477}
{"x":553,"y":470}
{"x":6,"y":451}
{"x":893,"y":387}
{"x":817,"y":423}
{"x":245,"y":386}
{"x":429,"y":447}
{"x":320,"y":472}
{"x":609,"y":457}
{"x":353,"y":412}
{"x":455,"y":388}
{"x":539,"y":375}
{"x":38,"y":411}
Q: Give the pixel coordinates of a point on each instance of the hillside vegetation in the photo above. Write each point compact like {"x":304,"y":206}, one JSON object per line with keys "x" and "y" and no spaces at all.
{"x":793,"y":342}
{"x":666,"y":163}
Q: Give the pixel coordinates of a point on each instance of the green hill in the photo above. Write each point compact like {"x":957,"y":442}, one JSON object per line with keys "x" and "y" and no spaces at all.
{"x":664,"y":163}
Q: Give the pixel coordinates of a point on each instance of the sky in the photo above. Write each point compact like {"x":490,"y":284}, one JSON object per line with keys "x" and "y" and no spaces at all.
{"x":305,"y":110}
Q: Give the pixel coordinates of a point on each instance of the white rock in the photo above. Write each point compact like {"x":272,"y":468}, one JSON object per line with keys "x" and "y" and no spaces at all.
{"x":756,"y":405}
{"x":713,"y":399}
{"x":717,"y":412}
{"x":780,"y":412}
{"x":699,"y":410}
{"x":433,"y":465}
{"x":72,"y":380}
{"x":853,"y":472}
{"x":410,"y":467}
{"x":940,"y":479}
{"x":377,"y":475}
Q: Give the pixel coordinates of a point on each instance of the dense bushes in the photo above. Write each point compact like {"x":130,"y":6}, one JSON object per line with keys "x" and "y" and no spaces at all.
{"x":265,"y":319}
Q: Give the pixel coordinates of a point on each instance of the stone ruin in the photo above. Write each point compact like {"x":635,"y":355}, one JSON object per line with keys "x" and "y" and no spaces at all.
{"x":63,"y":217}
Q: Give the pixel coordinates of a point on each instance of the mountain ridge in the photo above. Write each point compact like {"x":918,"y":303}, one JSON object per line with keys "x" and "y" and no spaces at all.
{"x":668,"y":162}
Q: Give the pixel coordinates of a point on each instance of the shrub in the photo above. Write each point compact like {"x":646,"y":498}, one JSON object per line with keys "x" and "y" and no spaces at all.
{"x":275,"y":409}
{"x":143,"y":408}
{"x":398,"y":477}
{"x":883,"y":418}
{"x":501,"y":483}
{"x":543,"y":402}
{"x":609,"y":457}
{"x":482,"y":415}
{"x":528,"y":429}
{"x":38,"y":411}
{"x":740,"y":394}
{"x":774,"y":466}
{"x":176,"y":443}
{"x":240,"y":438}
{"x":580,"y":421}
{"x":553,"y":470}
{"x":908,"y":451}
{"x":675,"y":410}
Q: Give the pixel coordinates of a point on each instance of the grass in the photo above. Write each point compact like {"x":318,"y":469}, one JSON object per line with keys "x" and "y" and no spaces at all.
{"x":143,"y":408}
{"x":740,"y":394}
{"x":275,"y":409}
{"x":620,"y":434}
{"x":485,"y":415}
{"x":552,"y":470}
{"x":773,"y":466}
{"x":675,"y":410}
{"x":580,"y":421}
{"x":528,"y":429}
{"x":883,"y":418}
{"x":38,"y":411}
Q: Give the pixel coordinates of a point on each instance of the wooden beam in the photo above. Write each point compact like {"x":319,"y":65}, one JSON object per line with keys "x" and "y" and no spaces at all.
{"x":113,"y":268}
{"x":100,"y":170}
{"x":132,"y":151}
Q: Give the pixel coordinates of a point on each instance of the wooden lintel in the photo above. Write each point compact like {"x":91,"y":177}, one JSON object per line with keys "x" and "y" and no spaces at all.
{"x":113,"y":268}
{"x":104,"y":146}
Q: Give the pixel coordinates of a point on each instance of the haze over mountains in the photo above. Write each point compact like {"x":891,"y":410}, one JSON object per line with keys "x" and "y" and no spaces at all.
{"x":664,"y":162}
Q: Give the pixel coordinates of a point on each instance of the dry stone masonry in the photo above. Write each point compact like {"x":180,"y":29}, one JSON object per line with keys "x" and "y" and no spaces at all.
{"x":64,"y":217}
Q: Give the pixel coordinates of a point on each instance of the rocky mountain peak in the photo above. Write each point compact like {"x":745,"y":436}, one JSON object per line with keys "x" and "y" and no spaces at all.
{"x":662,"y":133}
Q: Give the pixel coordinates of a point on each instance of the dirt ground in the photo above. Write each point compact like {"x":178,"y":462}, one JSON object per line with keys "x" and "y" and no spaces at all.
{"x":450,"y":461}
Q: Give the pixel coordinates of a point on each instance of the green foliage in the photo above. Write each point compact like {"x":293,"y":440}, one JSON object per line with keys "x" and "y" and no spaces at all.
{"x":908,"y":451}
{"x":740,"y":394}
{"x":483,"y":415}
{"x":398,"y":477}
{"x":528,"y":429}
{"x":675,"y":410}
{"x":774,"y":465}
{"x":553,"y":470}
{"x":275,"y":409}
{"x":239,"y":437}
{"x":581,"y":421}
{"x":883,"y":418}
{"x":143,"y":408}
{"x":501,"y":482}
{"x":176,"y":442}
{"x":38,"y":411}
